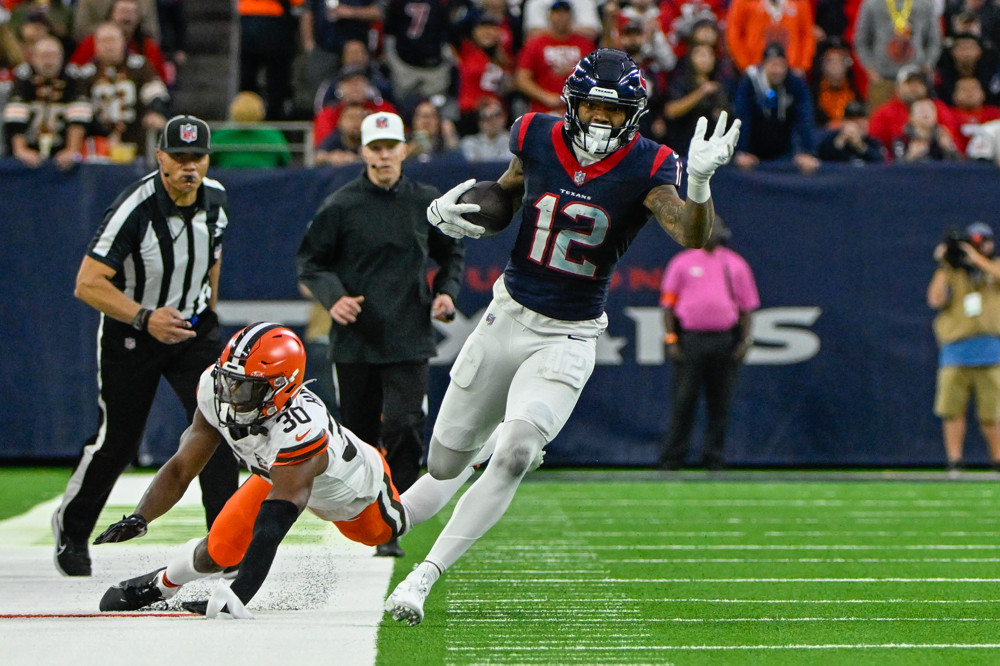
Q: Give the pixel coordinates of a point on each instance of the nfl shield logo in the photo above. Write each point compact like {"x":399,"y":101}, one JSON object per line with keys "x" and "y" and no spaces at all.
{"x":382,"y":122}
{"x":189,"y":133}
{"x":579,"y":177}
{"x":490,"y":318}
{"x":130,"y":343}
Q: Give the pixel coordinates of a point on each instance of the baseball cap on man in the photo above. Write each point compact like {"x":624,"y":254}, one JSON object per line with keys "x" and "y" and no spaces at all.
{"x":855,"y":109}
{"x":979,"y":230}
{"x":382,"y":125}
{"x":561,"y":4}
{"x":773,"y":50}
{"x":907,"y":72}
{"x":186,"y":134}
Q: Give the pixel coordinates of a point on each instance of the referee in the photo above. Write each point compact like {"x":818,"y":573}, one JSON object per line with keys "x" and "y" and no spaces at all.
{"x":152,"y":270}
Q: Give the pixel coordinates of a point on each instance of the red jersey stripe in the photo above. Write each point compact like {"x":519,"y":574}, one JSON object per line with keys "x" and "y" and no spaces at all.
{"x":523,"y":129}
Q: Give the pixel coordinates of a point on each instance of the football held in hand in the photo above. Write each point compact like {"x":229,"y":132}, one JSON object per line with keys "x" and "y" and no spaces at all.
{"x":496,"y":208}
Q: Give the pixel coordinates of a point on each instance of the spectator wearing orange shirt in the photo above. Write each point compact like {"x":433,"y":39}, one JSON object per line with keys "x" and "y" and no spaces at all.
{"x":753,"y":24}
{"x":831,"y":83}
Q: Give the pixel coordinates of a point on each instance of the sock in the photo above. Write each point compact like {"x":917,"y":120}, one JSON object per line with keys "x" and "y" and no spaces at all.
{"x":181,"y":569}
{"x":479,"y":509}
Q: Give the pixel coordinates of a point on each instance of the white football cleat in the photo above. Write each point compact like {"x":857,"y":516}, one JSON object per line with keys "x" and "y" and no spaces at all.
{"x":407,"y":601}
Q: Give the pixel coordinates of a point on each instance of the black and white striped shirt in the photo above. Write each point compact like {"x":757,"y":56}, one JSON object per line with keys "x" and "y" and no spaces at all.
{"x":162,"y":259}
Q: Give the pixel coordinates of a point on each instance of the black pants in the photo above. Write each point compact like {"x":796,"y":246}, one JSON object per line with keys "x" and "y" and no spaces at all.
{"x":707,"y":365}
{"x":130,"y":365}
{"x":264,"y":45}
{"x":383,"y":404}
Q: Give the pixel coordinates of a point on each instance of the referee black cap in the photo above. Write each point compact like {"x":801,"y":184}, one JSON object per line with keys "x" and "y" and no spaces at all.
{"x":186,"y":134}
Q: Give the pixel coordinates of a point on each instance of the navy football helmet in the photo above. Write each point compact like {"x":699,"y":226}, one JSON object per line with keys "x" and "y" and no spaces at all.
{"x":609,"y":76}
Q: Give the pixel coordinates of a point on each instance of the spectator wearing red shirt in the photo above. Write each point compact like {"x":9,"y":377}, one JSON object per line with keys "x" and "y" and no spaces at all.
{"x":484,"y":71}
{"x":887,"y":121}
{"x":353,"y":87}
{"x":970,"y":110}
{"x":678,"y":18}
{"x":127,"y":14}
{"x":511,"y":34}
{"x":547,"y":59}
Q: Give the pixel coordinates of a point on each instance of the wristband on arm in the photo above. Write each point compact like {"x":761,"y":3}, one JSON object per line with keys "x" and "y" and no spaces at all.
{"x":140,"y":321}
{"x":274,"y":520}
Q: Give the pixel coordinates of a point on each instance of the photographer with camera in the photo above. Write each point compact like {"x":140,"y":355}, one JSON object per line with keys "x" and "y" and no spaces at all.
{"x":965,"y":290}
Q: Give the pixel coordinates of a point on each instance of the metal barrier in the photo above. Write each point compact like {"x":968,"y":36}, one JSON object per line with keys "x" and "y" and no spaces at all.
{"x":298,"y":134}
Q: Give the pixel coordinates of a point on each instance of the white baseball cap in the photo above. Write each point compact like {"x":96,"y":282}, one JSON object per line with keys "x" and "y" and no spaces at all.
{"x":382,"y":125}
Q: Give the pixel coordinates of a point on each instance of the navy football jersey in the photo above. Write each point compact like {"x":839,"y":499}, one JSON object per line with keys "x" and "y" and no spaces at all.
{"x":577,"y":221}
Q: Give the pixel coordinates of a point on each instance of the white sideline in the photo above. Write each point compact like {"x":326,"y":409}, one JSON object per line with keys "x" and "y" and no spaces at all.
{"x":338,"y":585}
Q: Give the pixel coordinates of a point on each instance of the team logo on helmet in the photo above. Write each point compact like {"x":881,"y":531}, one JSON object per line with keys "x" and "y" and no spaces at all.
{"x":189,"y":133}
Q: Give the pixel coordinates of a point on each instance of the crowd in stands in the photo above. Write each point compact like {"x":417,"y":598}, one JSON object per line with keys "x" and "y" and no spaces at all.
{"x":812,"y":80}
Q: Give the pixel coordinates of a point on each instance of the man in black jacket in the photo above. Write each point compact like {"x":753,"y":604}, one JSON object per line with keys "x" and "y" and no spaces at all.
{"x":364,"y":258}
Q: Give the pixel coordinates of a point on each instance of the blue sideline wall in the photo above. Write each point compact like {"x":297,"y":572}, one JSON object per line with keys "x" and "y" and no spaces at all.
{"x":842,"y":374}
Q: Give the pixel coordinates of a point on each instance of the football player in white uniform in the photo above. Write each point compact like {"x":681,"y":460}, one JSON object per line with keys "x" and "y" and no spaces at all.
{"x":254,"y":400}
{"x":586,"y":182}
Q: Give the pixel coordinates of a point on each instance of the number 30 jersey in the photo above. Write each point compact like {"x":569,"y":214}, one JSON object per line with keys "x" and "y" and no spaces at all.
{"x":302,"y":430}
{"x":577,"y":221}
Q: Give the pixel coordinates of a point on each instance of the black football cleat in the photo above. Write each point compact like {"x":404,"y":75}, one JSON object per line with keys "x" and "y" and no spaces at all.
{"x":199,"y":607}
{"x":133,"y":594}
{"x":389,"y":549}
{"x":72,"y":557}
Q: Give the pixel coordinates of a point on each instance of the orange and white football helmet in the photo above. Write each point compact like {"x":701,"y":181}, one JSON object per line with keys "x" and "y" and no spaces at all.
{"x":258,"y":373}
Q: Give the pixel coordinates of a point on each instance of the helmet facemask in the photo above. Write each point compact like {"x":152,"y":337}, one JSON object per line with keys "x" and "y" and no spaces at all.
{"x":602,"y":139}
{"x":242,"y":401}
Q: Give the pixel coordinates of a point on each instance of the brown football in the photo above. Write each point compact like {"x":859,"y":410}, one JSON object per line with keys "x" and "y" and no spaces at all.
{"x":495,"y":206}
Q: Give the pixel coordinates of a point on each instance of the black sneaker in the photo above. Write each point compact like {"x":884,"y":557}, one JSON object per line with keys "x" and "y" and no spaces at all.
{"x":389,"y":549}
{"x":72,"y":557}
{"x":133,"y":594}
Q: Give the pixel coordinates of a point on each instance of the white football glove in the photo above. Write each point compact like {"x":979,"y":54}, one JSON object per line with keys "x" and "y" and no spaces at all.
{"x":225,"y":597}
{"x":446,"y":215}
{"x":707,"y":154}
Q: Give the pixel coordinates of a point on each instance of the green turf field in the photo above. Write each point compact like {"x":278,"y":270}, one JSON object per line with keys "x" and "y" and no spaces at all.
{"x":716,"y":572}
{"x":23,"y":487}
{"x":692,"y":569}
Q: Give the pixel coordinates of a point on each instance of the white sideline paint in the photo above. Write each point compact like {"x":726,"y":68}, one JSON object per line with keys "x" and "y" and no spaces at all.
{"x":339,"y":584}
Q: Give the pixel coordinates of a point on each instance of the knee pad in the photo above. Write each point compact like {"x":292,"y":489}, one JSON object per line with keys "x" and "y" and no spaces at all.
{"x":519,"y":447}
{"x":444,"y":463}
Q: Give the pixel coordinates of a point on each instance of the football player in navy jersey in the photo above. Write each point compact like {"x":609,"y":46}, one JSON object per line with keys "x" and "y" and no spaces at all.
{"x":586,"y":183}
